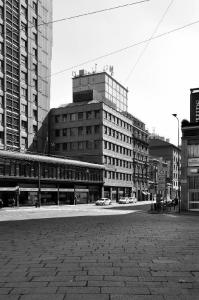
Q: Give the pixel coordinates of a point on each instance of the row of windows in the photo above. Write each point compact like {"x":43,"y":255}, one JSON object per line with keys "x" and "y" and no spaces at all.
{"x":78,"y":116}
{"x":118,"y":176}
{"x":117,"y":121}
{"x":117,"y":148}
{"x":9,"y":168}
{"x":117,"y":162}
{"x":74,"y":146}
{"x":78,"y":131}
{"x":120,"y":136}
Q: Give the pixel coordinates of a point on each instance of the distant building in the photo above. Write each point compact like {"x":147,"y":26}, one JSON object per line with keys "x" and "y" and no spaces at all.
{"x":172,"y":154}
{"x":25,"y":66}
{"x":159,"y":180}
{"x":97,"y":128}
{"x":194,"y":105}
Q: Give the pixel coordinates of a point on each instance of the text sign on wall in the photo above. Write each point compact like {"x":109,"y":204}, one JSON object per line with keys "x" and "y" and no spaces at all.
{"x":193,"y":161}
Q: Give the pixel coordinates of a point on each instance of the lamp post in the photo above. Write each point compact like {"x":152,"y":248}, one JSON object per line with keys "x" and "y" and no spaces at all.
{"x":179,"y":200}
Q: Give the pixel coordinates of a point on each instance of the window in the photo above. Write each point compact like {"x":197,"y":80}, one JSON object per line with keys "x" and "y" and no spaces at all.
{"x":57,"y":132}
{"x":34,"y":81}
{"x":96,"y":144}
{"x":23,"y":60}
{"x":64,"y":145}
{"x":88,"y":115}
{"x":34,"y":21}
{"x":64,"y":132}
{"x":34,"y":53}
{"x":34,"y":129}
{"x":24,"y":11}
{"x":24,"y":142}
{"x":23,"y":44}
{"x":73,"y":117}
{"x":97,"y":114}
{"x":35,"y":114}
{"x":24,"y":125}
{"x":34,"y":5}
{"x":1,"y":102}
{"x":57,"y":147}
{"x":80,"y":130}
{"x":72,"y":131}
{"x":1,"y":48}
{"x":24,"y":109}
{"x":97,"y":129}
{"x":57,"y":119}
{"x":1,"y":83}
{"x":80,"y":145}
{"x":1,"y":29}
{"x":34,"y":37}
{"x":35,"y":100}
{"x":1,"y":66}
{"x":80,"y":115}
{"x":34,"y":68}
{"x":88,"y":145}
{"x":64,"y":118}
{"x":24,"y":77}
{"x":88,"y":130}
{"x":23,"y":27}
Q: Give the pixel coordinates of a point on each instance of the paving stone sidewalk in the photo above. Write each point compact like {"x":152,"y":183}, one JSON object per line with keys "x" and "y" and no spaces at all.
{"x":111,"y":257}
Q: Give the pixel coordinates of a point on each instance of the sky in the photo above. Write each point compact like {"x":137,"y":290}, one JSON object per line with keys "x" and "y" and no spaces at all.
{"x":160,"y":83}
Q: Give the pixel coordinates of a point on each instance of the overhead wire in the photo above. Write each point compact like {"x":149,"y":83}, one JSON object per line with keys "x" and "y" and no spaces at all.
{"x":92,"y":12}
{"x":147,"y":43}
{"x":125,"y":48}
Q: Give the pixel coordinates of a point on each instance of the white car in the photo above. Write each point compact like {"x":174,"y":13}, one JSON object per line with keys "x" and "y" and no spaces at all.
{"x":103,"y":201}
{"x":124,"y":200}
{"x":132,"y":200}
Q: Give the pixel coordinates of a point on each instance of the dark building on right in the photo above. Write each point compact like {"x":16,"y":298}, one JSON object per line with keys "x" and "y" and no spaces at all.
{"x":190,"y":156}
{"x":194,"y":105}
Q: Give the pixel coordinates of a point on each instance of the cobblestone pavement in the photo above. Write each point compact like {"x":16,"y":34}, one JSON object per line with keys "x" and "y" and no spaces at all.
{"x":125,"y":256}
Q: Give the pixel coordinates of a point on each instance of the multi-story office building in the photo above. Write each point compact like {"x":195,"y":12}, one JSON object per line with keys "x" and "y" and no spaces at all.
{"x":194,"y":105}
{"x":160,"y":148}
{"x":95,"y":130}
{"x":25,"y":59}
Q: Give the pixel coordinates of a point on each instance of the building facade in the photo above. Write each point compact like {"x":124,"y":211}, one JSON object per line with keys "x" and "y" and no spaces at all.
{"x":25,"y":60}
{"x":172,"y":154}
{"x":94,"y":130}
{"x":47,"y":180}
{"x":159,"y":180}
{"x":194,"y":105}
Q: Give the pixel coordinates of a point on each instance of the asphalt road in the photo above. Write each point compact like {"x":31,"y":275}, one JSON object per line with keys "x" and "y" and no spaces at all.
{"x":89,"y":253}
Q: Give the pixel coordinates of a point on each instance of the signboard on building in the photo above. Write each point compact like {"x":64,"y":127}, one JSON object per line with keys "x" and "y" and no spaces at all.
{"x":193,"y":161}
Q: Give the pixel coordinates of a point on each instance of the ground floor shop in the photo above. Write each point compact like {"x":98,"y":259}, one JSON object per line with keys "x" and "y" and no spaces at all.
{"x":39,"y":180}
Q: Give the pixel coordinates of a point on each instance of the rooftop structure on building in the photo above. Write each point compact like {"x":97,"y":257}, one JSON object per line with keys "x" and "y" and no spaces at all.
{"x":109,"y":89}
{"x":25,"y":58}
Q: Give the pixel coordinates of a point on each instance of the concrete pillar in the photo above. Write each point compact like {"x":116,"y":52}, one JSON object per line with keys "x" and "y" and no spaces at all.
{"x":111,"y":192}
{"x":102,"y":192}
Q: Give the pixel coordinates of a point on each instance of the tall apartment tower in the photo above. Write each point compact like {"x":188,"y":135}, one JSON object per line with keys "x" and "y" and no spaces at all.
{"x":194,"y":105}
{"x":25,"y":66}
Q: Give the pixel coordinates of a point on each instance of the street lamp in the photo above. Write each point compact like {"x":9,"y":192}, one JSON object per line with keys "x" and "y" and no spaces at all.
{"x":179,"y":207}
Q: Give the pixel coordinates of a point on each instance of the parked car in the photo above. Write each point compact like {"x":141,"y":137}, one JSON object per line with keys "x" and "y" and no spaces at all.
{"x":103,"y":201}
{"x":124,"y":200}
{"x":132,"y":200}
